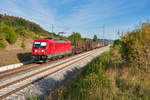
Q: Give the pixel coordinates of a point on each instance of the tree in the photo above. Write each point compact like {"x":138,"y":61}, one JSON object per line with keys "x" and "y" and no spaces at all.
{"x":9,"y":34}
{"x":95,"y":38}
{"x":20,"y":30}
{"x":75,"y":38}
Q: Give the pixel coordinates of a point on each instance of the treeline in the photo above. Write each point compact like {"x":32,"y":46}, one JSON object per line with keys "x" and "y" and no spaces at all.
{"x":76,"y":38}
{"x":12,"y":28}
{"x":18,"y":22}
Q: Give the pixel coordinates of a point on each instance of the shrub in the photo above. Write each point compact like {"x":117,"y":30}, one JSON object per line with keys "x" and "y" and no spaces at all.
{"x":9,"y":34}
{"x":23,"y":45}
{"x":117,"y":42}
{"x":136,"y":47}
{"x":20,"y":30}
{"x":3,"y":44}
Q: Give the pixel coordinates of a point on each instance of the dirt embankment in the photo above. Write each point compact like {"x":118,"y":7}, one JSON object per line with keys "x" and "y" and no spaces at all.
{"x":15,"y":54}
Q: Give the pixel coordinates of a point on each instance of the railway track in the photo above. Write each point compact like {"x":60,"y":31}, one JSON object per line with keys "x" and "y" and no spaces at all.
{"x":15,"y":84}
{"x":26,"y":68}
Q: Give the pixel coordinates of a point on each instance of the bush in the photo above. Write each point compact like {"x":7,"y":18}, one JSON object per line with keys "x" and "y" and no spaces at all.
{"x":36,"y":37}
{"x":20,"y":30}
{"x":23,"y":45}
{"x":117,"y":42}
{"x":9,"y":34}
{"x":136,"y":47}
{"x":3,"y":44}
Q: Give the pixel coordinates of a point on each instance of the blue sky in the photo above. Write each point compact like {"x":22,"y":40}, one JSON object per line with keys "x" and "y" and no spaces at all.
{"x":84,"y":16}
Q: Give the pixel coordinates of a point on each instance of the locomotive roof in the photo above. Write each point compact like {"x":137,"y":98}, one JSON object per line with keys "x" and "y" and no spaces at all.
{"x":55,"y":41}
{"x":60,"y":41}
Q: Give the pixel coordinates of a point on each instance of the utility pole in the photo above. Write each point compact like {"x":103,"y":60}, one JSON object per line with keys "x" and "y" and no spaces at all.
{"x":52,"y":28}
{"x":103,"y":33}
{"x":52,"y":31}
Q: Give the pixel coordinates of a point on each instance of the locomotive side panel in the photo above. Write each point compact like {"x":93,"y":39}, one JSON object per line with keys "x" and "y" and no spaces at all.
{"x":62,"y":47}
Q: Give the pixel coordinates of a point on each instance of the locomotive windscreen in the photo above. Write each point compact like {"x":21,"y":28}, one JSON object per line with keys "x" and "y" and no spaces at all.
{"x":40,"y":45}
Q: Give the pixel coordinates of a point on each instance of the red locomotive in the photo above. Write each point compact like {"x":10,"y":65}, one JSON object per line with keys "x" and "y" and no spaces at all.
{"x":49,"y":48}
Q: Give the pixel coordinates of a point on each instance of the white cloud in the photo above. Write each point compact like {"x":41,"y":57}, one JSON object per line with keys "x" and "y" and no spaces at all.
{"x":83,"y":18}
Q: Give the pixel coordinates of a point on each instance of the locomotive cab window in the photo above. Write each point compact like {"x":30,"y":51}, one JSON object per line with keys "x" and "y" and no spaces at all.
{"x":43,"y":45}
{"x":36,"y":45}
{"x":40,"y":45}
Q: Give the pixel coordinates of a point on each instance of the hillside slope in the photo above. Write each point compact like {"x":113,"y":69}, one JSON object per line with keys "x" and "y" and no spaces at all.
{"x":16,"y":38}
{"x":17,"y":22}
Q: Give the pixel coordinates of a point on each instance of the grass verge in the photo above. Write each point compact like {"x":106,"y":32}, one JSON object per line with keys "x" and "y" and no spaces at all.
{"x":108,"y":77}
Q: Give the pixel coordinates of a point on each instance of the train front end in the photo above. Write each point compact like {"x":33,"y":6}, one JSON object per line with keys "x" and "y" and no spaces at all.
{"x":39,"y":50}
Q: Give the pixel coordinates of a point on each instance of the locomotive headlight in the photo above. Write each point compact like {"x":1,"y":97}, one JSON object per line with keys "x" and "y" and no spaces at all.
{"x":34,"y":50}
{"x":44,"y":51}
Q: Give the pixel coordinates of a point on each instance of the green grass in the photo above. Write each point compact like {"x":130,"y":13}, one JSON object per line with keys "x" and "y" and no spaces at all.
{"x":108,"y":78}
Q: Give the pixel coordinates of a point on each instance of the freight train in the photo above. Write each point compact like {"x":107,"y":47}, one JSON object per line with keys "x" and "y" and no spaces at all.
{"x":45,"y":49}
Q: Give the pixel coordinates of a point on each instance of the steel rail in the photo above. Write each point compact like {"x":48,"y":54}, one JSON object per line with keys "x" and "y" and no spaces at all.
{"x":28,"y":84}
